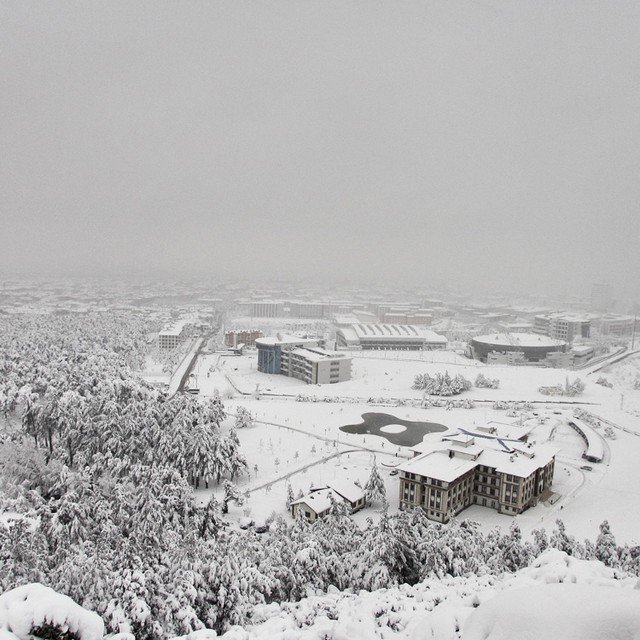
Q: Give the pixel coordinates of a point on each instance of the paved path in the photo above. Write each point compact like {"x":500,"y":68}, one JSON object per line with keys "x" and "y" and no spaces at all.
{"x":335,"y":441}
{"x":288,"y":475}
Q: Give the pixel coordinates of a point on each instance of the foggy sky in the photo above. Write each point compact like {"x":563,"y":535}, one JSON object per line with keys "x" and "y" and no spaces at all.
{"x":480,"y":141}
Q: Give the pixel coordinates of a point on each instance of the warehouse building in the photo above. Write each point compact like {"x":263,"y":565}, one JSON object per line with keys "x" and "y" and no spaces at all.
{"x":388,"y":336}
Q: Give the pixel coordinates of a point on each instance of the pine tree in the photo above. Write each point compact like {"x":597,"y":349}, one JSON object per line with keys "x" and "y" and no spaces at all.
{"x":374,"y":489}
{"x":244,"y":418}
{"x":231,"y":494}
{"x":605,"y":548}
{"x":290,"y":496}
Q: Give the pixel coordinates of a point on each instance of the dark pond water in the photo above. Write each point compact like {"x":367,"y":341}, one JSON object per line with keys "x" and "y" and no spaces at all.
{"x":415,"y":431}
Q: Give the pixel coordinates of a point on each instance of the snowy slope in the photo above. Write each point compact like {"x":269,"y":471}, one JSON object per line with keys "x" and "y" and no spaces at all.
{"x":554,"y":598}
{"x":557,"y":598}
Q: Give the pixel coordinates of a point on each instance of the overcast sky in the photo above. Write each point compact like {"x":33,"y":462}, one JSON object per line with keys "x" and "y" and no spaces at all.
{"x":479,"y":141}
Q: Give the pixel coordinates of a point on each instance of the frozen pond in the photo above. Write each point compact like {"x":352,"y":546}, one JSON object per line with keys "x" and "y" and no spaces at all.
{"x":405,"y":433}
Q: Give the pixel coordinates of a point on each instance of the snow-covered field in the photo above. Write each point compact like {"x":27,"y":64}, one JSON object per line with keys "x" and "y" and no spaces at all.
{"x":301,"y":444}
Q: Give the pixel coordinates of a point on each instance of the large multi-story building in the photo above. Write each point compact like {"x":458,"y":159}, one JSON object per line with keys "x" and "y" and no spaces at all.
{"x":388,"y":336}
{"x":302,"y":358}
{"x":562,"y":326}
{"x":465,"y":468}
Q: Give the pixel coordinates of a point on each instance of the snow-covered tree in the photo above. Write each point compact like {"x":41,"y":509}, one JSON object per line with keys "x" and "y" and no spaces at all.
{"x":374,"y":489}
{"x":244,"y":418}
{"x":483,"y":382}
{"x":605,"y":547}
{"x":231,"y":494}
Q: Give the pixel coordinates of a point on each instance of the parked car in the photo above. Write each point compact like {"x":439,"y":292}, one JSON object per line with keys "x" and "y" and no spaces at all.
{"x":394,"y":472}
{"x":245,"y":523}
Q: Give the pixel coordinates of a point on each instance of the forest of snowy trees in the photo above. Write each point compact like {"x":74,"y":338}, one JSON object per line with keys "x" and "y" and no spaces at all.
{"x":97,"y":477}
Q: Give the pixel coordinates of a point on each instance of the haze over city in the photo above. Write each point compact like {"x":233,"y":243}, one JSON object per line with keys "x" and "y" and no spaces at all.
{"x":487,"y":143}
{"x":319,"y":319}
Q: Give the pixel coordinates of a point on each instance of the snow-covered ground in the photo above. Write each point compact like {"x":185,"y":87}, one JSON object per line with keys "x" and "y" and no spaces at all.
{"x":391,"y":374}
{"x":301,"y":444}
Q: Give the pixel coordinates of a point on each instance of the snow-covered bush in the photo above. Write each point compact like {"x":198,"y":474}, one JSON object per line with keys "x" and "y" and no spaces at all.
{"x":604,"y":382}
{"x":441,"y":384}
{"x":569,"y":389}
{"x":244,"y":418}
{"x":483,"y":382}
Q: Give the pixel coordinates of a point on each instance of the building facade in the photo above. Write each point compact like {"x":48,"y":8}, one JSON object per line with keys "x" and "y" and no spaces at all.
{"x":469,"y":470}
{"x":616,"y":325}
{"x":562,"y":326}
{"x":246,"y":337}
{"x":266,"y":309}
{"x":171,"y":337}
{"x":388,"y":336}
{"x":303,"y":359}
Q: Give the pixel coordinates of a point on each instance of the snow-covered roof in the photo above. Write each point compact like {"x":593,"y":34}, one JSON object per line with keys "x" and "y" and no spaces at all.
{"x":316,"y":354}
{"x":595,"y":444}
{"x":569,"y":316}
{"x":319,"y":500}
{"x":287,"y":341}
{"x":438,"y":465}
{"x":518,"y":340}
{"x":347,"y":489}
{"x":371,"y":332}
{"x":446,"y":460}
{"x":582,"y":350}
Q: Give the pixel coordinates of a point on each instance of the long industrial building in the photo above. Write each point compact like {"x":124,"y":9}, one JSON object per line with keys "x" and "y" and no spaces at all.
{"x":302,"y":358}
{"x":388,"y":336}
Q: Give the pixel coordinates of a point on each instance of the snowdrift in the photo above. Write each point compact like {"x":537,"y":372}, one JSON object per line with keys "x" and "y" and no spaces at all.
{"x":34,"y":606}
